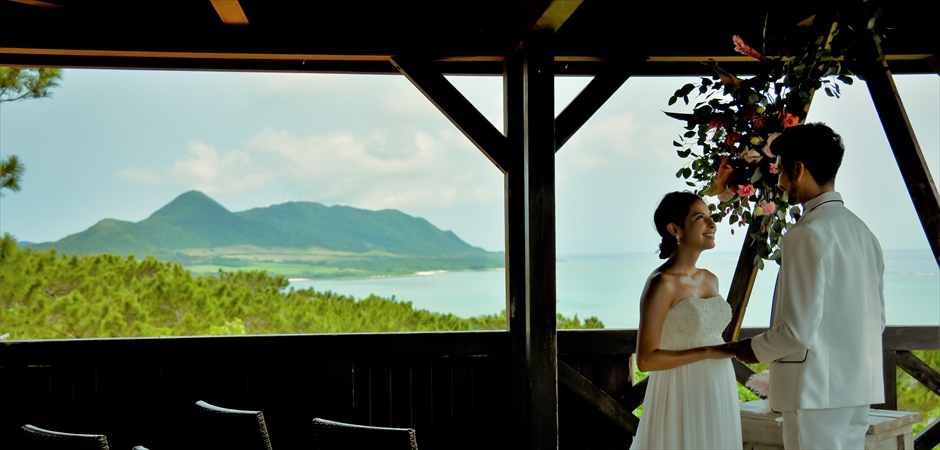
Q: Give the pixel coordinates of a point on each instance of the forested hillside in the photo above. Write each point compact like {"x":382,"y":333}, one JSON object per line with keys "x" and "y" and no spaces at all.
{"x":294,"y":239}
{"x":48,"y":295}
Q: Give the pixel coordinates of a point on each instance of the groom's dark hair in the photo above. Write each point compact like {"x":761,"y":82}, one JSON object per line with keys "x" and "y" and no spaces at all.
{"x":815,"y":145}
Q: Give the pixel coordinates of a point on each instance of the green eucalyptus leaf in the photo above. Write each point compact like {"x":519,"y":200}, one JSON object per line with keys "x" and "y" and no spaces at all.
{"x":689,"y":183}
{"x":687,"y":172}
{"x":798,"y":70}
{"x":684,"y":154}
{"x":689,"y":134}
{"x":876,"y":37}
{"x":672,"y":100}
{"x":871,"y":23}
{"x":753,"y":99}
{"x":676,"y":144}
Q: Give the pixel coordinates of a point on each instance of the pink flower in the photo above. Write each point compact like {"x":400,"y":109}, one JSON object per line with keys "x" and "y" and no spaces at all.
{"x":744,"y":49}
{"x":745,"y":190}
{"x":773,"y":168}
{"x":767,"y":207}
{"x":759,"y":384}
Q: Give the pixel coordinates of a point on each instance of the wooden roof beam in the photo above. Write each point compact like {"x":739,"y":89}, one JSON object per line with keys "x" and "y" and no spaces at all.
{"x":230,"y":11}
{"x":589,"y":100}
{"x":541,"y":14}
{"x":557,"y":13}
{"x":456,"y":108}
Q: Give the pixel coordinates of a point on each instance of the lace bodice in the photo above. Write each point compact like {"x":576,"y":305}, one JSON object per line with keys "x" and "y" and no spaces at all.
{"x":695,"y":322}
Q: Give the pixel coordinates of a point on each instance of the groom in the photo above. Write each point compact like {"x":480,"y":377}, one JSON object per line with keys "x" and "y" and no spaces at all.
{"x":824,"y":343}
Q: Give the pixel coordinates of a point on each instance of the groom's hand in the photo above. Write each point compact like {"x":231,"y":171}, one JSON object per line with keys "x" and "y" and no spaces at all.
{"x":744,"y":352}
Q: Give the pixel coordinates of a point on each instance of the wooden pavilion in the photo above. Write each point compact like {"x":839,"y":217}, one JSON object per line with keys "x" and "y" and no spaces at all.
{"x":530,"y":386}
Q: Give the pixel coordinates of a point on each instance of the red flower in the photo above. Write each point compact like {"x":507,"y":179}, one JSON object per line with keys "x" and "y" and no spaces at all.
{"x":789,"y":120}
{"x":757,"y":121}
{"x":744,"y":49}
{"x":732,"y":139}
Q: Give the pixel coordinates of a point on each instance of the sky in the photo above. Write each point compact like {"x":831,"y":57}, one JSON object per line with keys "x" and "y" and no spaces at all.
{"x":121,"y":144}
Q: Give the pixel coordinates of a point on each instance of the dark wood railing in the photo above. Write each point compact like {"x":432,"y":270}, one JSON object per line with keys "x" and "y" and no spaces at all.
{"x":453,"y":387}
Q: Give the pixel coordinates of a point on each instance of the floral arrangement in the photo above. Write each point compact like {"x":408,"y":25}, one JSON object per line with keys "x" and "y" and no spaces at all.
{"x":734,"y":121}
{"x":759,"y":383}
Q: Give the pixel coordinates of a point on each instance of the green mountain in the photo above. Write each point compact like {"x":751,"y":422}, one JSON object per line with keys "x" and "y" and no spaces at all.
{"x":194,"y":221}
{"x":358,"y":230}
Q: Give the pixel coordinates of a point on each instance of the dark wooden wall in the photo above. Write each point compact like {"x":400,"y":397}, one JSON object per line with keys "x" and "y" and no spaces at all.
{"x":451,"y":387}
{"x":454,"y":388}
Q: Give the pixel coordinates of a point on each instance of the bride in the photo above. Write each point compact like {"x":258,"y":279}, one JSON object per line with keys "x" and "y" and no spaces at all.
{"x":691,"y":399}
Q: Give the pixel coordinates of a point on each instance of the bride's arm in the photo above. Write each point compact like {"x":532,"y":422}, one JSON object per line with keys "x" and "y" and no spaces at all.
{"x":654,"y":305}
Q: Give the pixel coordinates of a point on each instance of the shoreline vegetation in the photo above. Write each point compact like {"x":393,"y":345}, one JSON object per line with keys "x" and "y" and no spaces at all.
{"x":48,"y":295}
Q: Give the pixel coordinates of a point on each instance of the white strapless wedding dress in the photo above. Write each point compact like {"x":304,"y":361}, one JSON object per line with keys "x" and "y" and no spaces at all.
{"x":694,"y":406}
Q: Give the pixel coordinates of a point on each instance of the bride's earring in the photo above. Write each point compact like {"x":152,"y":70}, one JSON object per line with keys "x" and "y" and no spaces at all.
{"x":678,"y":240}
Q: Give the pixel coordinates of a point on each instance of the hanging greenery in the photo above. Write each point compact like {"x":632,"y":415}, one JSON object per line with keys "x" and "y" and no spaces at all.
{"x":727,"y":137}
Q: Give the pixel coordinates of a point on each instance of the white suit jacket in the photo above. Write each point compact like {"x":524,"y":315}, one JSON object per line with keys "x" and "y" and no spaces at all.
{"x":824,"y":345}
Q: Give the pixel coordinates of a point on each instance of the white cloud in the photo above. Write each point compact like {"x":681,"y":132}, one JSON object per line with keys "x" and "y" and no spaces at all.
{"x":414,"y":170}
{"x":206,"y":170}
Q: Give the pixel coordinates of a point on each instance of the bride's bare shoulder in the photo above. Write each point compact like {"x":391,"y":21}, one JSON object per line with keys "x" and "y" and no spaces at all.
{"x":659,"y":285}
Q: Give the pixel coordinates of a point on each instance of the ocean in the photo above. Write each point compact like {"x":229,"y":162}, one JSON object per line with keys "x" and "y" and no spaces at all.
{"x":608,"y":287}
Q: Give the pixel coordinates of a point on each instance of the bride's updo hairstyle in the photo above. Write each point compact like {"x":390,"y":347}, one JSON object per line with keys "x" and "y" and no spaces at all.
{"x":673,"y":208}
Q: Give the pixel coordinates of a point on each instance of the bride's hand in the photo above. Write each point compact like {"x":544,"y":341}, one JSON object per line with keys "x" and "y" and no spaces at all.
{"x":723,"y":351}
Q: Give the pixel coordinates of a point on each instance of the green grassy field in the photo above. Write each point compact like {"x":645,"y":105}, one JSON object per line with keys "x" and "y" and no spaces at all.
{"x":318,"y":263}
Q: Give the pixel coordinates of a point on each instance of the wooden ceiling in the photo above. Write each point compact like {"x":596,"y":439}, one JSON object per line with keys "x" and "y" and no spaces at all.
{"x":461,"y":37}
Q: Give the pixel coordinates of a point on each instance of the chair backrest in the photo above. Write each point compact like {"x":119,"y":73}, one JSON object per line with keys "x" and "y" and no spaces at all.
{"x":234,"y":428}
{"x":330,"y":435}
{"x":38,"y":438}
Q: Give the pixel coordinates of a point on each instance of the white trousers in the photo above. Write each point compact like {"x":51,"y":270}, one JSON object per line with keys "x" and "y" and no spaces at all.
{"x":830,"y":429}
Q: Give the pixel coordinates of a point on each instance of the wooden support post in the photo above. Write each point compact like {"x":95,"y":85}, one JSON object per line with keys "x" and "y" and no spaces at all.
{"x":929,"y":437}
{"x":742,"y":284}
{"x":907,"y":153}
{"x":889,"y":361}
{"x":920,"y":370}
{"x":609,"y":408}
{"x":539,"y":169}
{"x":633,"y":399}
{"x":515,"y":226}
{"x":742,"y":373}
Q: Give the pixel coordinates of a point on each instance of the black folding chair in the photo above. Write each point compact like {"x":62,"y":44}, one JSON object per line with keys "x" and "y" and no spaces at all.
{"x":233,"y":428}
{"x":35,"y":438}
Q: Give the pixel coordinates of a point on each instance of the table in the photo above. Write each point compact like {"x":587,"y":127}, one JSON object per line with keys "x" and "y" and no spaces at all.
{"x":887,"y":430}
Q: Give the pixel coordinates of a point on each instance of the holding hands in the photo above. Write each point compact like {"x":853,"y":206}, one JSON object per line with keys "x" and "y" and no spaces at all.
{"x":743,"y":352}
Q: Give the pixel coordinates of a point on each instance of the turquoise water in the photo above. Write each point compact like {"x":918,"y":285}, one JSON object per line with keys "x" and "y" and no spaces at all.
{"x":609,"y":286}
